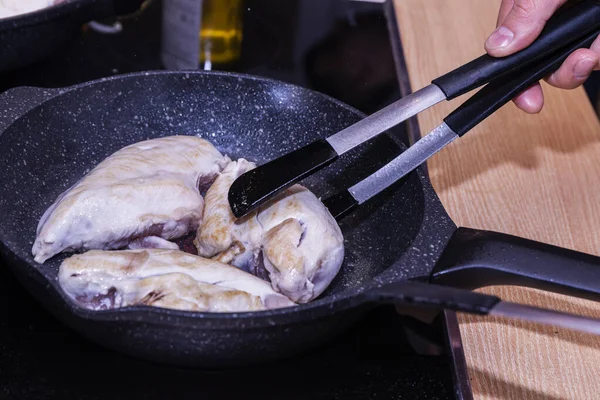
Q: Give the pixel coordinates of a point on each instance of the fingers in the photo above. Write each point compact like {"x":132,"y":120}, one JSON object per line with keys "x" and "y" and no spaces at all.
{"x":575,"y":70}
{"x":532,"y":100}
{"x":505,"y":8}
{"x":520,"y":26}
{"x":595,"y":47}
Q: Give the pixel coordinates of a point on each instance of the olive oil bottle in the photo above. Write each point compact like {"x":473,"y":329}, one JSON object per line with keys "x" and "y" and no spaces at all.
{"x":204,"y":34}
{"x":220,"y":32}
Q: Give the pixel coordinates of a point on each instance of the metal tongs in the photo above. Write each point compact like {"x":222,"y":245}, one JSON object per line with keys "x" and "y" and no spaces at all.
{"x":574,"y":28}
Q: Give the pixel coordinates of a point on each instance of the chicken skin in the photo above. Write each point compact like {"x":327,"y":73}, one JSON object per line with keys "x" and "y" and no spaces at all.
{"x":219,"y":235}
{"x":143,"y":195}
{"x":292,"y":239}
{"x":101,"y":280}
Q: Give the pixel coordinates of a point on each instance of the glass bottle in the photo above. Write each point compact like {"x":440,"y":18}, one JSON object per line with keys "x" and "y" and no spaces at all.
{"x":220,"y":32}
{"x":201,"y":33}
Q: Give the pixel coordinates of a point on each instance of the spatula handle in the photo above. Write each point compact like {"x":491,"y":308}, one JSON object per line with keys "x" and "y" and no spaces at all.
{"x":500,"y":91}
{"x":560,"y":30}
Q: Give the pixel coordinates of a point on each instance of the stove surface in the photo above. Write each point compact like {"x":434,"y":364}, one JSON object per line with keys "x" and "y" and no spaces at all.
{"x":340,"y":47}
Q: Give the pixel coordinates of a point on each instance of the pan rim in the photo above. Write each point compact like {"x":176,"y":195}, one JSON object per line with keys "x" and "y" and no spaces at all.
{"x":319,"y":307}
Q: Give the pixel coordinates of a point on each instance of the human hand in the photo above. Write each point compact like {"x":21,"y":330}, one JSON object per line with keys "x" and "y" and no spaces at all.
{"x":519,"y":24}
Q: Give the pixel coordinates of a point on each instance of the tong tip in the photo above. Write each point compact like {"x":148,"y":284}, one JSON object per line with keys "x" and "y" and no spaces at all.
{"x":257,"y":186}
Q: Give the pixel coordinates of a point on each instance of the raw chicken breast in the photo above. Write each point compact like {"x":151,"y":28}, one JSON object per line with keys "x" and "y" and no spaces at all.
{"x":219,"y":235}
{"x":102,"y":280}
{"x":142,"y":195}
{"x":293,"y":237}
{"x":303,"y":246}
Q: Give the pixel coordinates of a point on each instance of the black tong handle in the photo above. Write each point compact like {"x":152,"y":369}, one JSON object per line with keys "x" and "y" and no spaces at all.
{"x":561,"y":30}
{"x":500,"y":91}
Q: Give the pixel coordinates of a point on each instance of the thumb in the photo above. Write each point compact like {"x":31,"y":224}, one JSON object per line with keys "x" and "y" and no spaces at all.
{"x":521,"y":25}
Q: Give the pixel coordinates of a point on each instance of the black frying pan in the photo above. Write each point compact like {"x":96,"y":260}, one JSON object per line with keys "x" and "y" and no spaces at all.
{"x":28,"y":38}
{"x":52,"y":137}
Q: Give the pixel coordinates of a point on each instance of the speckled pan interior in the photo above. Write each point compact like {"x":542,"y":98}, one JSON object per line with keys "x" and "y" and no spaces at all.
{"x":54,"y":144}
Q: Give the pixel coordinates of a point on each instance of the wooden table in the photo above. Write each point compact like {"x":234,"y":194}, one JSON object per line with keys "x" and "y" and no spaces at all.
{"x":533,"y":176}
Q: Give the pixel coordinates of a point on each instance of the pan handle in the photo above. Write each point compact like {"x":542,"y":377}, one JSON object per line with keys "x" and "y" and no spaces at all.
{"x":420,"y":294}
{"x":475,"y":258}
{"x":15,"y":102}
{"x":427,"y":295}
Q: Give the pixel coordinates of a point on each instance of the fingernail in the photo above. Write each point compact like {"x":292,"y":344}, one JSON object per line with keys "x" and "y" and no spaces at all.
{"x":501,"y":37}
{"x":583,"y":68}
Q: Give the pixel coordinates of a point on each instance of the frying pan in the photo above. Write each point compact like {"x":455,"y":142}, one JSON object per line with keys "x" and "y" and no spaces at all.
{"x":50,"y":138}
{"x":30,"y":37}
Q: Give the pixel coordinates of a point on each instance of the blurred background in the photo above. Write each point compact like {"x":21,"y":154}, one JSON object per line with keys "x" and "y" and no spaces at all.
{"x":339,"y":47}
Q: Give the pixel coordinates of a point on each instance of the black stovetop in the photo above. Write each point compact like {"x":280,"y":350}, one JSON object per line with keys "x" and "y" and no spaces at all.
{"x":292,"y":41}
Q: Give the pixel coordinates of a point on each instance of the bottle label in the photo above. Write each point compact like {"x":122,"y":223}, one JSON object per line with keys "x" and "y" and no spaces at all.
{"x":181,"y":34}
